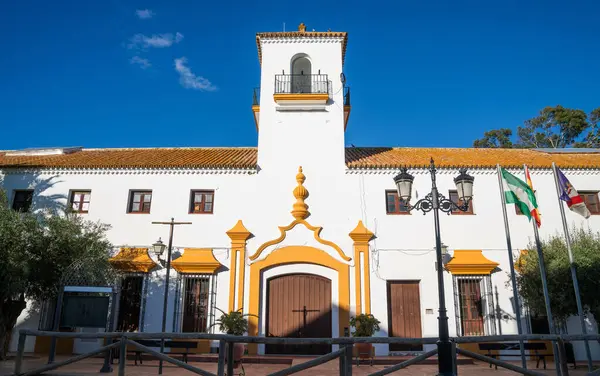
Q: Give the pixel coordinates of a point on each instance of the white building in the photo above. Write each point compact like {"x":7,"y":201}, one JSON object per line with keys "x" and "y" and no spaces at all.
{"x":254,"y":244}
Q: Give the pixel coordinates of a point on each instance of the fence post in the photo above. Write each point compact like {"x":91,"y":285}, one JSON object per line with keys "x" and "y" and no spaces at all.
{"x":348,"y":356}
{"x":122,"y":356}
{"x":454,"y":357}
{"x":342,"y":362}
{"x":230,"y":358}
{"x":20,"y":351}
{"x":221,"y":362}
{"x":562,"y":357}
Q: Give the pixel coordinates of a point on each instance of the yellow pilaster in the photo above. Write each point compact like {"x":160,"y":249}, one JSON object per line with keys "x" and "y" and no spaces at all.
{"x":238,"y":235}
{"x":361,"y":236}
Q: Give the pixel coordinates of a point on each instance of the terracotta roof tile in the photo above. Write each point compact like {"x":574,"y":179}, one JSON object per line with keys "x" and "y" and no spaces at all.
{"x":356,"y":157}
{"x":141,"y":158}
{"x":359,"y":157}
{"x":303,"y":34}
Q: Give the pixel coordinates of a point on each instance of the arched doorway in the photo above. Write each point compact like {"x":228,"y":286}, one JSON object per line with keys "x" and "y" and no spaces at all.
{"x":301,"y":75}
{"x":299,"y":306}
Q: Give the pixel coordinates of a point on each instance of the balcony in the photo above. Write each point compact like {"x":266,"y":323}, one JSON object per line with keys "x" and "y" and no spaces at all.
{"x":301,"y":89}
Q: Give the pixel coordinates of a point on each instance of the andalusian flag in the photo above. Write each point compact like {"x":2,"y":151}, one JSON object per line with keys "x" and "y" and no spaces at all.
{"x":519,"y":193}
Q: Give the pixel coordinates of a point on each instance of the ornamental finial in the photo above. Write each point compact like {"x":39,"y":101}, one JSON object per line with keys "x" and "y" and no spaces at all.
{"x":302,"y":27}
{"x":300,"y":209}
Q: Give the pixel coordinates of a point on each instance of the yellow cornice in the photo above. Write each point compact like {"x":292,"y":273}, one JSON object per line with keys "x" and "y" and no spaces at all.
{"x":239,"y":233}
{"x":284,"y":229}
{"x":470,"y":262}
{"x":196,"y":261}
{"x":360,"y":234}
{"x":301,"y":97}
{"x":132,"y":260}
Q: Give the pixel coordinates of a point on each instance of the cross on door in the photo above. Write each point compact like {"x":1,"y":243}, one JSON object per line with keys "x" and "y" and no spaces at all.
{"x":305,"y":313}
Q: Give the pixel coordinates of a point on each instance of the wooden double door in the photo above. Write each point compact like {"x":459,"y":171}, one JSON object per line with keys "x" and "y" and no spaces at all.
{"x":298,"y":306}
{"x":404,"y":313}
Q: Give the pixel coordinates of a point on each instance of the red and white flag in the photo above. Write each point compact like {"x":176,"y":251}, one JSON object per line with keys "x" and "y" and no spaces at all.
{"x":569,"y":194}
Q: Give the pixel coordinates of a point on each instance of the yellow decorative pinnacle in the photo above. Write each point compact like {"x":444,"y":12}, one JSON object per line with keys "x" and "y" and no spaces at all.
{"x":300,"y":209}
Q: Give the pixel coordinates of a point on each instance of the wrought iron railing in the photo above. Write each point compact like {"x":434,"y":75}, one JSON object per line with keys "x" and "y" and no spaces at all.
{"x":346,"y":95}
{"x":225,"y":360}
{"x":301,"y":84}
{"x":256,"y":96}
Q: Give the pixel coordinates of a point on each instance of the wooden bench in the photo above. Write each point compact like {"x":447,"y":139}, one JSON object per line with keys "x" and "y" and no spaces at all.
{"x":536,"y":349}
{"x":181,"y":348}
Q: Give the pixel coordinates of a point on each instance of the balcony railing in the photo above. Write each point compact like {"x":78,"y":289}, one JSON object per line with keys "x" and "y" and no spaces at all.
{"x":256,"y":97}
{"x":301,"y":84}
{"x":346,"y":96}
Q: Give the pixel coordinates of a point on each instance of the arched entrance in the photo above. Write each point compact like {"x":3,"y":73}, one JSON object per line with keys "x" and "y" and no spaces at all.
{"x":298,"y":306}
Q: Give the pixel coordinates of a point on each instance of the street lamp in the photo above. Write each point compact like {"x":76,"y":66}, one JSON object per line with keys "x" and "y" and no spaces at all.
{"x":435,"y":201}
{"x":159,"y":248}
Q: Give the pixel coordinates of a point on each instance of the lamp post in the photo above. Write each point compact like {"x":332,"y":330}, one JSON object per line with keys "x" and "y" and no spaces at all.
{"x":159,"y":248}
{"x":435,"y":201}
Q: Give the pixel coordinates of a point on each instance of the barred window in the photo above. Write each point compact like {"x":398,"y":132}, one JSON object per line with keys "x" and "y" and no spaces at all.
{"x":474,"y":305}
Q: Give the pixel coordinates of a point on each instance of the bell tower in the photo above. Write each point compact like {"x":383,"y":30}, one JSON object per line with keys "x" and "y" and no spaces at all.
{"x":302,"y":106}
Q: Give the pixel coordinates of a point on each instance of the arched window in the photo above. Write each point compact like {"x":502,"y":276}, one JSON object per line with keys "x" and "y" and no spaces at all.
{"x":301,"y":74}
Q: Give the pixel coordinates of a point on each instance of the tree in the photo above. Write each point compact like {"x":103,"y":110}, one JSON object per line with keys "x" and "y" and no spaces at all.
{"x":497,"y":138}
{"x":586,"y":252}
{"x":35,"y":250}
{"x":554,"y":127}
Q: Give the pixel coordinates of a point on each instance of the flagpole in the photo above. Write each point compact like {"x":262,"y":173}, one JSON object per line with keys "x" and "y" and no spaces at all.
{"x":573,"y":270}
{"x":542,"y":265}
{"x":511,"y":263}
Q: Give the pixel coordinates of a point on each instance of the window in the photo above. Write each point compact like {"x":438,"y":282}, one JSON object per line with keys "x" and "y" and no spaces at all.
{"x":80,"y":201}
{"x":22,"y":200}
{"x":195,"y":305}
{"x":394,"y":204}
{"x":130,"y":304}
{"x":454,"y":198}
{"x":201,"y":202}
{"x":474,"y":305}
{"x":139,"y":201}
{"x":591,"y":201}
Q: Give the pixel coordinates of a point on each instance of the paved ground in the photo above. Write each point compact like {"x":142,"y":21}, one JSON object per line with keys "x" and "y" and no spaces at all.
{"x":92,"y":367}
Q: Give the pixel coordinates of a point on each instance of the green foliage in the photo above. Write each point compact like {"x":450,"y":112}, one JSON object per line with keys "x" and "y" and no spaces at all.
{"x":365,"y":325}
{"x":35,"y":250}
{"x":497,"y":138}
{"x":233,"y":322}
{"x":554,"y":127}
{"x":586,"y":252}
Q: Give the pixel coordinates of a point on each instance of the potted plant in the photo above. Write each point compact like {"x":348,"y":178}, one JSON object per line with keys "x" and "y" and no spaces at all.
{"x":365,"y":326}
{"x":234,"y":323}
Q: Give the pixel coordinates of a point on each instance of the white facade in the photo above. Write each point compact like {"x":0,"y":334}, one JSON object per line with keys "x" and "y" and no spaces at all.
{"x":311,"y":136}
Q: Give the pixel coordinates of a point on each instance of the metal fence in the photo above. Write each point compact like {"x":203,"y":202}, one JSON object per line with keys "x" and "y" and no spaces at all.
{"x":225,"y":362}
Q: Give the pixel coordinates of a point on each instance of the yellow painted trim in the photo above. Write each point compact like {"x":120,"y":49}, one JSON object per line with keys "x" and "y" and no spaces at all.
{"x":347,"y":108}
{"x":361,"y":236}
{"x":196,"y":260}
{"x":284,"y":229}
{"x":256,"y":108}
{"x":238,"y":234}
{"x":241,"y":271}
{"x":232,"y":269}
{"x":132,"y":260}
{"x":294,"y":255}
{"x":301,"y":97}
{"x":470,"y":262}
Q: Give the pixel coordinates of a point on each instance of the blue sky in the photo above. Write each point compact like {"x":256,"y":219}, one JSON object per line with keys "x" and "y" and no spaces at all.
{"x":422,"y":73}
